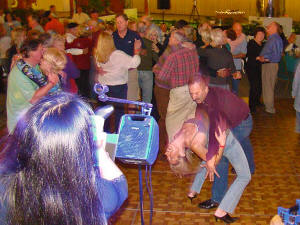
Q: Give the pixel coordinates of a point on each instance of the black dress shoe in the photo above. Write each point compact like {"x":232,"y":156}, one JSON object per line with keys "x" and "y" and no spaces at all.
{"x":227,"y":219}
{"x":208,"y":204}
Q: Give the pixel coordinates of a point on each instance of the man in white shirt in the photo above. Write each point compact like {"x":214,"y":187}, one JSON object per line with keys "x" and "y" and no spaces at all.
{"x":33,"y":22}
{"x":71,"y":35}
{"x":80,"y":17}
{"x":239,"y":51}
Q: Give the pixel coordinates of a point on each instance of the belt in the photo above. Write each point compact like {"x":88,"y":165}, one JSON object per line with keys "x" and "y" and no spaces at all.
{"x":269,"y":62}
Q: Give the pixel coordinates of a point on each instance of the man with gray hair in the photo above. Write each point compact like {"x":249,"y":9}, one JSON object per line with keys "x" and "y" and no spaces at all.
{"x":173,"y":72}
{"x":145,"y":74}
{"x":270,"y":57}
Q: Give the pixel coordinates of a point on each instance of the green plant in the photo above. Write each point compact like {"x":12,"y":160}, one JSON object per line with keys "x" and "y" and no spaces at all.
{"x":21,"y":13}
{"x":296,"y":27}
{"x":100,"y":6}
{"x":248,"y":29}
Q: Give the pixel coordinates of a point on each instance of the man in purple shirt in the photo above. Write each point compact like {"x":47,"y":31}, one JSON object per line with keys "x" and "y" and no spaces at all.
{"x":236,"y":112}
{"x":270,"y":57}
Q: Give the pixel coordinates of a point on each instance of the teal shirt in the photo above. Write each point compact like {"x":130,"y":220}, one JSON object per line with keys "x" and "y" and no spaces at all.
{"x":20,"y":90}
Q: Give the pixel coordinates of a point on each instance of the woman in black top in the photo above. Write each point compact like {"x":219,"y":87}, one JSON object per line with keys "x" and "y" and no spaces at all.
{"x":253,"y":67}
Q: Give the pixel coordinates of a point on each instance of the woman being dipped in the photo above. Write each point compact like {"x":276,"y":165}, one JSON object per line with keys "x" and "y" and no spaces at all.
{"x":193,"y":137}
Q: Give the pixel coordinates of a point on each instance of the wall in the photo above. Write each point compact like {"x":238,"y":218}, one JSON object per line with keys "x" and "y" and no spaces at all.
{"x":205,"y":7}
{"x":292,"y":9}
{"x":61,"y":5}
{"x":208,"y":7}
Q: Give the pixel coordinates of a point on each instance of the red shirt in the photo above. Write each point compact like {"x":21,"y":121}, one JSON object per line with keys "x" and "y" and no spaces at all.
{"x":55,"y":25}
{"x":82,"y":61}
{"x":175,"y":67}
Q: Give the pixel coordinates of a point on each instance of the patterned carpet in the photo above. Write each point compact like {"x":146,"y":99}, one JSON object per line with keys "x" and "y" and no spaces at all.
{"x":276,"y":181}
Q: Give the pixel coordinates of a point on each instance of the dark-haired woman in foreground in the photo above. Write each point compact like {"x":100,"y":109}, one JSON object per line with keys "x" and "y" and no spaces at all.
{"x":48,"y":173}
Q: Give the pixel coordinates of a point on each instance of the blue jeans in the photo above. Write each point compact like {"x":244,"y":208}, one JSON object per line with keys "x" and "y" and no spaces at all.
{"x":235,"y":86}
{"x":297,"y":122}
{"x":234,"y":153}
{"x":145,"y":79}
{"x":241,"y":132}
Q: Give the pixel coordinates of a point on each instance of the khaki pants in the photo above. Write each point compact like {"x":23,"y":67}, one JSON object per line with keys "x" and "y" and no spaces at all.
{"x":162,"y":99}
{"x":180,"y":108}
{"x":269,"y":78}
{"x":133,"y":91}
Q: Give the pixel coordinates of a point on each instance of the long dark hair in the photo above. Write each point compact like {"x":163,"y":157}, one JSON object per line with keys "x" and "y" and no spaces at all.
{"x":48,"y":165}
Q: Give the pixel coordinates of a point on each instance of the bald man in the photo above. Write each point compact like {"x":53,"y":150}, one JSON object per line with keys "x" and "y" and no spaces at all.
{"x":239,"y":51}
{"x":270,"y":57}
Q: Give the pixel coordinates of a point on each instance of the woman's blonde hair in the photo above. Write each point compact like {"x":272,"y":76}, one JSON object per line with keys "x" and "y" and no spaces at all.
{"x":56,"y":58}
{"x":105,"y":46}
{"x":187,"y":165}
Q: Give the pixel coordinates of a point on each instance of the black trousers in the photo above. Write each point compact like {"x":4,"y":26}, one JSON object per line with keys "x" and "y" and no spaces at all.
{"x":83,"y":83}
{"x":116,"y":91}
{"x":254,"y":77}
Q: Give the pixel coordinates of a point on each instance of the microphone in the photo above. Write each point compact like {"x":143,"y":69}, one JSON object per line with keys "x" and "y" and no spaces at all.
{"x":101,"y":91}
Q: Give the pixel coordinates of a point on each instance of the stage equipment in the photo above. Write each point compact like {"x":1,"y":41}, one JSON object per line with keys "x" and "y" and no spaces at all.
{"x":163,"y":4}
{"x":137,"y":140}
{"x":194,"y":13}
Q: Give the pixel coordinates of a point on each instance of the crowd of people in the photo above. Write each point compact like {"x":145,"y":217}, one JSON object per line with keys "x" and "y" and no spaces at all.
{"x":192,"y":76}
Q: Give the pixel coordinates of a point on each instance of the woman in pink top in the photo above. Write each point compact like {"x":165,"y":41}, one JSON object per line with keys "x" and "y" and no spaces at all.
{"x":113,"y":68}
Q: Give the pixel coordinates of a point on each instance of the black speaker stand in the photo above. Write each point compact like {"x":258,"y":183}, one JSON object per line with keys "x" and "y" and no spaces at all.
{"x":195,"y":13}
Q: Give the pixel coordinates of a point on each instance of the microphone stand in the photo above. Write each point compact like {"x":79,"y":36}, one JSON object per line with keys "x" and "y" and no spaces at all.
{"x":146,"y":109}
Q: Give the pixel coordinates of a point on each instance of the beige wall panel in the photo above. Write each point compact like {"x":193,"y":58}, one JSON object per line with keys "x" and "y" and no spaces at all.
{"x":205,"y":7}
{"x":292,"y":9}
{"x":208,"y":7}
{"x":61,"y":5}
